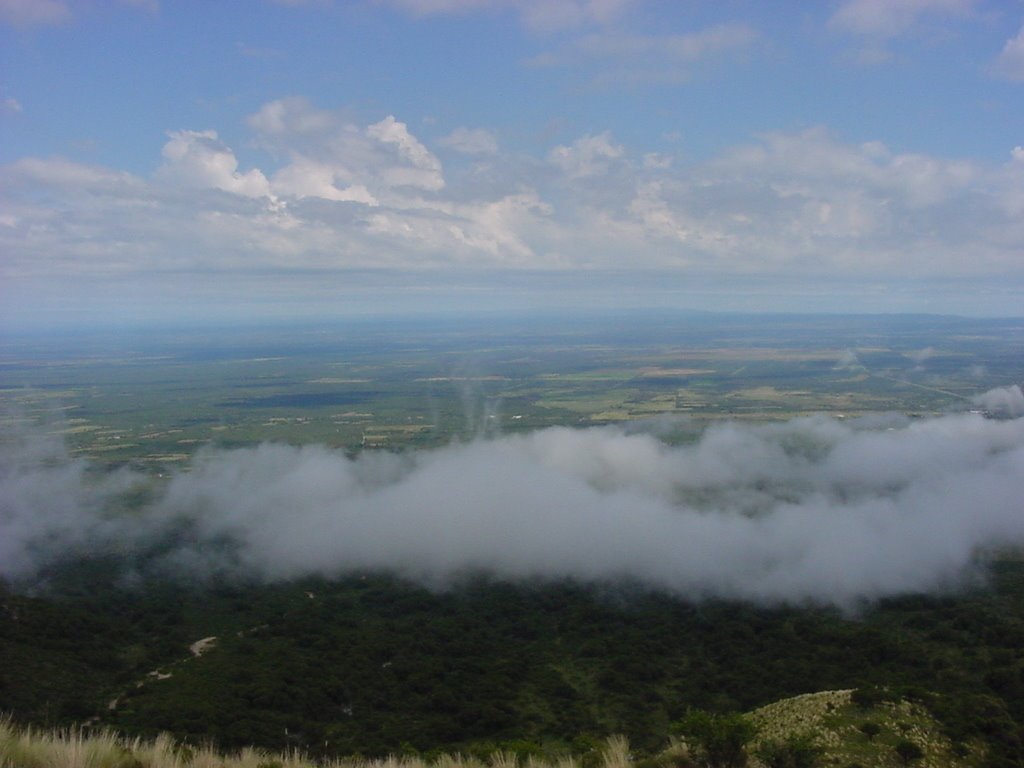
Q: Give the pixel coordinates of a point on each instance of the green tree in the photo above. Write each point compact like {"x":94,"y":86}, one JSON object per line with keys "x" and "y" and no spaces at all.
{"x":868,"y":697}
{"x":721,"y":739}
{"x":908,"y":751}
{"x":793,"y":752}
{"x":870,"y":729}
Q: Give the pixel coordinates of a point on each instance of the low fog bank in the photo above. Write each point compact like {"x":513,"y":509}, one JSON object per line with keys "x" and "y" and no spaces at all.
{"x":1003,"y":401}
{"x":812,"y":509}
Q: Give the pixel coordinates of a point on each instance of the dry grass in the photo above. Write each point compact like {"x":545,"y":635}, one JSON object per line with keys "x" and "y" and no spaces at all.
{"x":76,"y":748}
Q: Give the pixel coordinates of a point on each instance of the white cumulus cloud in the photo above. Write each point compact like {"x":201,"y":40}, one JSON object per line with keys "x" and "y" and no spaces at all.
{"x":334,"y":192}
{"x":423,"y":169}
{"x":200,"y":159}
{"x":305,"y":178}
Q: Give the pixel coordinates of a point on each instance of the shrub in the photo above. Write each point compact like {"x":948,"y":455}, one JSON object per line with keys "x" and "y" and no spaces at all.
{"x":794,"y":752}
{"x":870,"y":729}
{"x":908,"y":751}
{"x":722,"y":739}
{"x":868,"y":697}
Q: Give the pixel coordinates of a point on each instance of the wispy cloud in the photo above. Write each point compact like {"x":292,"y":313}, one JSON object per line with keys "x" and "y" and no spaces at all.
{"x":259,"y":52}
{"x":542,"y":16}
{"x":1010,"y":62}
{"x":889,"y":18}
{"x":470,"y":141}
{"x":877,"y":24}
{"x":621,"y":59}
{"x":587,"y":156}
{"x":687,"y":47}
{"x":153,"y":6}
{"x":29,"y":13}
{"x":41,"y":13}
{"x":296,"y":3}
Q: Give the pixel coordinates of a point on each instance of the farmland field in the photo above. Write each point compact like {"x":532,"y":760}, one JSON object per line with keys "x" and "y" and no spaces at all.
{"x":153,"y":398}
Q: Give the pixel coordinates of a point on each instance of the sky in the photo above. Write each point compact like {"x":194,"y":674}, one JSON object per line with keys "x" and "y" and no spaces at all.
{"x":178,"y":161}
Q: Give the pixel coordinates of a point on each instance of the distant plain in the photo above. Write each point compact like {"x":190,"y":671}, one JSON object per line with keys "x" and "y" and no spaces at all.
{"x":152,"y":397}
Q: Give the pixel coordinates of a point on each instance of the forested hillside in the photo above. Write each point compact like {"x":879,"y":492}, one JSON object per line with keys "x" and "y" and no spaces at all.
{"x":370,"y":663}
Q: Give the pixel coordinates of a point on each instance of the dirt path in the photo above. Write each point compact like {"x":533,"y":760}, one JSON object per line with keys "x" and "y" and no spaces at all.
{"x":197,"y":649}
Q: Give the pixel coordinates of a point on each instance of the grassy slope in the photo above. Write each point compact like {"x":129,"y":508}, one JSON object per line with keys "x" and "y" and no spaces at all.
{"x":834,"y":722}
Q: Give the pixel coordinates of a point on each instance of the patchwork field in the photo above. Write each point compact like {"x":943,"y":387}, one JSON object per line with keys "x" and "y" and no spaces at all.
{"x":155,"y":398}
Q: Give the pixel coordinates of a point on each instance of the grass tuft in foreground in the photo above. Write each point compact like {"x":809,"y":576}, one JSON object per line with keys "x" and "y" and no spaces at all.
{"x":77,"y":748}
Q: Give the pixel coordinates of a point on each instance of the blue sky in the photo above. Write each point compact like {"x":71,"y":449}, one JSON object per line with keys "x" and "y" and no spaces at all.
{"x":163,"y":160}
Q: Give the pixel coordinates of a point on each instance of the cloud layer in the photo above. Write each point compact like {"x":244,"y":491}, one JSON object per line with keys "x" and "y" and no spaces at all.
{"x":809,"y":510}
{"x":343,"y":195}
